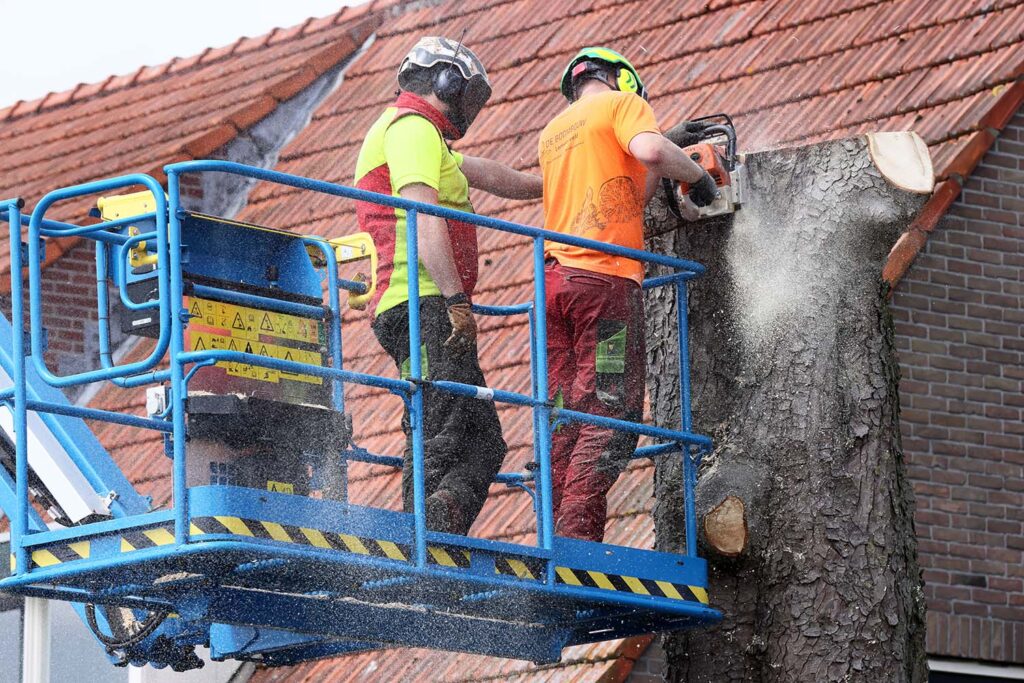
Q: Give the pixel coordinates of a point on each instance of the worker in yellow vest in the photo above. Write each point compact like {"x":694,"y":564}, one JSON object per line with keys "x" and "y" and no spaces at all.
{"x":406,"y":153}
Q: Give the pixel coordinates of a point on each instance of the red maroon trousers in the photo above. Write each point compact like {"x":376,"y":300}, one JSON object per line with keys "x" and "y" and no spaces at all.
{"x":596,"y":364}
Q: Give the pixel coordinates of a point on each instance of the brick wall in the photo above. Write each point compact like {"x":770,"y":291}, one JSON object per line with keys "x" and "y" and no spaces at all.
{"x":650,"y":667}
{"x":960,"y":330}
{"x":69,"y":311}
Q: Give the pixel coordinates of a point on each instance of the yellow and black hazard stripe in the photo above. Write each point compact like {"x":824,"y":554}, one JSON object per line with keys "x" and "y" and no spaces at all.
{"x":287,"y":533}
{"x":445,"y":556}
{"x":519,"y":566}
{"x":58,"y":553}
{"x":149,"y":538}
{"x":630,"y":584}
{"x":269,"y":531}
{"x":448,"y":556}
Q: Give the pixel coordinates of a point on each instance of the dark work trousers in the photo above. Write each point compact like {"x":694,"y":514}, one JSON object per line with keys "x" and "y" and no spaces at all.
{"x":597,"y":365}
{"x":462,"y":443}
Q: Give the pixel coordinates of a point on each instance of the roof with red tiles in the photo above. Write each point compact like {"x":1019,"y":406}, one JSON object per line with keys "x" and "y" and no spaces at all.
{"x":185,"y":109}
{"x":788,"y":71}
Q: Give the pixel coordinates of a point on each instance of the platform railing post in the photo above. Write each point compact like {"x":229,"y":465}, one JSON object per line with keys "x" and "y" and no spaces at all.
{"x":535,"y":393}
{"x":542,"y":413}
{"x":686,"y":417}
{"x":334,"y":341}
{"x":419,"y":505}
{"x":180,"y":484}
{"x":334,"y":320}
{"x":20,"y":521}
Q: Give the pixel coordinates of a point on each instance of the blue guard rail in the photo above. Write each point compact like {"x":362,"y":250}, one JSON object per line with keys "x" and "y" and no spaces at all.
{"x":278,"y":578}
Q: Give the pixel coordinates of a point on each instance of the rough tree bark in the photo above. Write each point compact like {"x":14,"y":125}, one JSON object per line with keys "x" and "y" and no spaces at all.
{"x":805,"y":510}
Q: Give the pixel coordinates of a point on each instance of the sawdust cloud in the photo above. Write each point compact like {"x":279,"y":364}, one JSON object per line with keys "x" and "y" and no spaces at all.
{"x":766,"y":279}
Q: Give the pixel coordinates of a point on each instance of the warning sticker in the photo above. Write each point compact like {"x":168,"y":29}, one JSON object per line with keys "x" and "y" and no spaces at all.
{"x":280,"y":487}
{"x":202,"y":341}
{"x":249,"y":323}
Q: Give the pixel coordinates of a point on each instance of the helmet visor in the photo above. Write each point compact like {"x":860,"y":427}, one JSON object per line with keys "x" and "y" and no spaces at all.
{"x":474,"y":96}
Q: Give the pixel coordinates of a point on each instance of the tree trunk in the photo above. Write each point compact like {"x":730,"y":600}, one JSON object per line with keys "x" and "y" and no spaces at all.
{"x":805,"y":511}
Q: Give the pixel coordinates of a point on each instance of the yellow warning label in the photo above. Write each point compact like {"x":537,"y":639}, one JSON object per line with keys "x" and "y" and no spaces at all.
{"x":280,"y":487}
{"x":202,"y":341}
{"x":249,"y":323}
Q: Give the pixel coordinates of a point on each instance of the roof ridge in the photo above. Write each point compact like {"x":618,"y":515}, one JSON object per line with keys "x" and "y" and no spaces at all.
{"x":147,"y":73}
{"x":12,"y":134}
{"x":265,"y":99}
{"x":227,"y":126}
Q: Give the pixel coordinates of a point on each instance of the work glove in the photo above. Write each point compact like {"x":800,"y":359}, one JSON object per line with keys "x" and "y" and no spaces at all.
{"x":691,"y":134}
{"x":463,"y":323}
{"x":704,"y":191}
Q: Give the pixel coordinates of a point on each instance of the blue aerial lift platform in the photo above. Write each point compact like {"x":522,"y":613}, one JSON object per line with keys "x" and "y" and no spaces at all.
{"x":262,"y":556}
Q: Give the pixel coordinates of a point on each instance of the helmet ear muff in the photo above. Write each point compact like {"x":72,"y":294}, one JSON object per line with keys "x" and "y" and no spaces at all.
{"x":626,"y":82}
{"x":448,"y":84}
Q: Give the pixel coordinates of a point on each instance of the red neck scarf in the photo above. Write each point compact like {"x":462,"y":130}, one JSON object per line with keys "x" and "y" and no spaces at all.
{"x":412,"y":102}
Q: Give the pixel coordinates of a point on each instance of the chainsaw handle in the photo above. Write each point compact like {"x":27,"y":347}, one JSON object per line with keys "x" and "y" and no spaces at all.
{"x":671,"y":198}
{"x":707,"y":127}
{"x":672,"y":201}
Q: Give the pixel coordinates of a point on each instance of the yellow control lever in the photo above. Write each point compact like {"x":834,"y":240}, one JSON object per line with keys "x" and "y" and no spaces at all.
{"x":356,"y":247}
{"x":124,"y":205}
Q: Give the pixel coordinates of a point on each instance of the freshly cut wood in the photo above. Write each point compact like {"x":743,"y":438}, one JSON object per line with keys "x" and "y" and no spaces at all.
{"x":725,"y":527}
{"x":795,"y":377}
{"x":903,"y":159}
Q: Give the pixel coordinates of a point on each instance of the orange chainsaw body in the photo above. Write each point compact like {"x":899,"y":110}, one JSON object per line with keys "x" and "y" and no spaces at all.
{"x":712,"y":159}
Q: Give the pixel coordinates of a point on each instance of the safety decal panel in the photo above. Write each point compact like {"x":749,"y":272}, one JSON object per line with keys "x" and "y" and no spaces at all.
{"x":586,"y":578}
{"x":230,"y":327}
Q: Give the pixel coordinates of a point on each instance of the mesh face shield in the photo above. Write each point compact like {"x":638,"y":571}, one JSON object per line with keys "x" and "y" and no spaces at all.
{"x":476,"y":87}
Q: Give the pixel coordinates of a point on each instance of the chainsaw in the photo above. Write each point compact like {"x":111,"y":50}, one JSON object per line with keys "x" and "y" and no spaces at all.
{"x":711,"y":142}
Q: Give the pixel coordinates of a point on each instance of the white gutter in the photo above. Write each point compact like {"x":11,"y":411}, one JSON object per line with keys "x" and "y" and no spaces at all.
{"x":972,"y":668}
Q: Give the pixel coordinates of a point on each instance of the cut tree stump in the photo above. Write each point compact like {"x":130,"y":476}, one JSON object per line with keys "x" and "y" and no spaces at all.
{"x":805,"y":511}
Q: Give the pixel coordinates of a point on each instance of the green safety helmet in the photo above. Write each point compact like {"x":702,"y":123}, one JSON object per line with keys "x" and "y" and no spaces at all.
{"x":592,"y":59}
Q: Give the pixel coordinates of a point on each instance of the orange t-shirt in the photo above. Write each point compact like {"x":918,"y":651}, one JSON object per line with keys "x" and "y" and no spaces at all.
{"x":593,"y":186}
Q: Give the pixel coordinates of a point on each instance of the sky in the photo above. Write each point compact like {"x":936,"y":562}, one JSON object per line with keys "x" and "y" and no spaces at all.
{"x":53,"y":45}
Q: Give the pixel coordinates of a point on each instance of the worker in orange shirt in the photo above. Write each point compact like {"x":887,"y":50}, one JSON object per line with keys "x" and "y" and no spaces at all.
{"x":601,"y":159}
{"x":406,"y":153}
